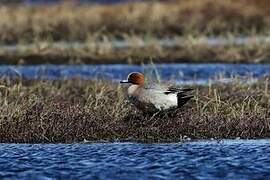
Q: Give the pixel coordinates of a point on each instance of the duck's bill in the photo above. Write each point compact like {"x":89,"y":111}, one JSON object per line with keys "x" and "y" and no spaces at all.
{"x":124,"y":81}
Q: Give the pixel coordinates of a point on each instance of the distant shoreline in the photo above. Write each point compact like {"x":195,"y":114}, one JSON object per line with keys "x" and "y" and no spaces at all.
{"x":135,"y":50}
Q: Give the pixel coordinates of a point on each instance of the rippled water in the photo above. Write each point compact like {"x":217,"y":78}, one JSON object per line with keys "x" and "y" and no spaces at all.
{"x":231,"y":159}
{"x":181,"y":73}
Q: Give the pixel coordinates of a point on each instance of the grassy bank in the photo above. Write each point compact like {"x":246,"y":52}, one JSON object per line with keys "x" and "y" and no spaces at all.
{"x":72,"y":22}
{"x":184,"y":50}
{"x":76,"y":110}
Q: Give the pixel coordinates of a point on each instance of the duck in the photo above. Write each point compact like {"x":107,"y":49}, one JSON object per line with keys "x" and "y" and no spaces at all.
{"x":152,"y":98}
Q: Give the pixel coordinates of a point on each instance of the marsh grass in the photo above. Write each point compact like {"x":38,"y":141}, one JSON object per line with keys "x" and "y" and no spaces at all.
{"x":75,"y":110}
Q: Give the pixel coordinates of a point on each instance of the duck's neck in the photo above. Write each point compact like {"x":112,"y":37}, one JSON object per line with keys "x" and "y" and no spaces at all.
{"x":134,"y":89}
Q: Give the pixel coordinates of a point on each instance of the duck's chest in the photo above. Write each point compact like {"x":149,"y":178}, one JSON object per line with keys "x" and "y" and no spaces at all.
{"x":134,"y":96}
{"x":139,"y":98}
{"x":134,"y":90}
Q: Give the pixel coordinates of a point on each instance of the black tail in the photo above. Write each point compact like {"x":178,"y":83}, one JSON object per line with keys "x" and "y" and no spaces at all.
{"x":182,"y":99}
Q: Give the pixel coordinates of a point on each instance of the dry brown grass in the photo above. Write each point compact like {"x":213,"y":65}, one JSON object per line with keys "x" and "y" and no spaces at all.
{"x":73,"y":110}
{"x":79,"y":23}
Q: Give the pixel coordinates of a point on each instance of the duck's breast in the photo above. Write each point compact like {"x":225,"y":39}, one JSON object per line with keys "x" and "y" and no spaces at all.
{"x":141,"y":99}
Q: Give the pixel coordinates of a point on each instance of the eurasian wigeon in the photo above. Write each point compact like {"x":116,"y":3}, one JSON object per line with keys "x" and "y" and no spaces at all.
{"x":154,"y":97}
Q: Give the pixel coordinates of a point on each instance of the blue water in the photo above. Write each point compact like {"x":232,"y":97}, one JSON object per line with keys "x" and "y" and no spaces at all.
{"x":180,"y":73}
{"x":230,"y":159}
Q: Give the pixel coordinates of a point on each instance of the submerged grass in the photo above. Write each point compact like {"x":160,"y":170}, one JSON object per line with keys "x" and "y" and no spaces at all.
{"x":75,"y":110}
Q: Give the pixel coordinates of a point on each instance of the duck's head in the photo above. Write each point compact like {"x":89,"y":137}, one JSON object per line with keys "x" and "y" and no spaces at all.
{"x":134,"y":78}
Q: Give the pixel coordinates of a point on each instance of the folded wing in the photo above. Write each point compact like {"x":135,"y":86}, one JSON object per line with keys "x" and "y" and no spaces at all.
{"x":182,"y":96}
